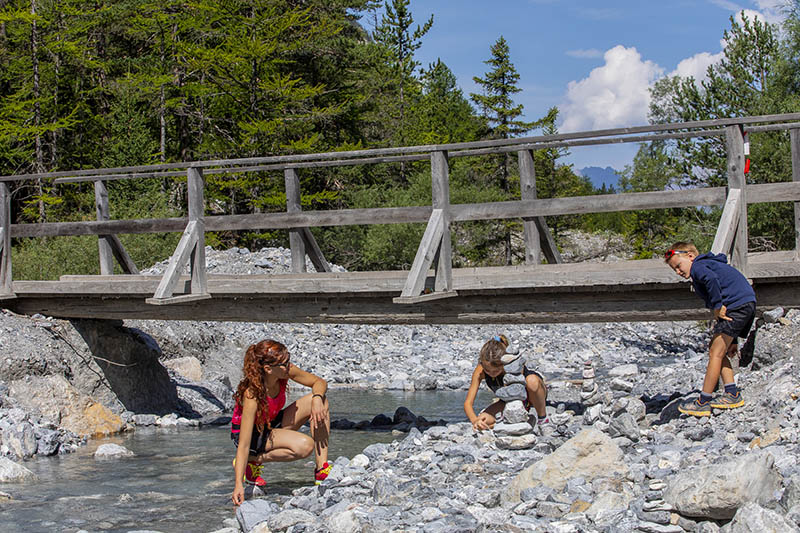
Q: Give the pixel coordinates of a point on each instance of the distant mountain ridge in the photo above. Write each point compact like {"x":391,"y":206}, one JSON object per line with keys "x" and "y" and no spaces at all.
{"x":599,"y":176}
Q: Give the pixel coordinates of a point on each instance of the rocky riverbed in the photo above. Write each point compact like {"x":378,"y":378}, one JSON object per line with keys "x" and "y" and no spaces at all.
{"x":621,"y":460}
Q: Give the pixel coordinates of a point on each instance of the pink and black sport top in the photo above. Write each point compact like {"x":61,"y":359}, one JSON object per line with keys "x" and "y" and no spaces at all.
{"x":274,"y":406}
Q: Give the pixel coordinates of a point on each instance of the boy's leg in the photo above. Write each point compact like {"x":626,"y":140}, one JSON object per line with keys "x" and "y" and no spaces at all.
{"x":537,"y":394}
{"x":731,"y":398}
{"x":717,"y":357}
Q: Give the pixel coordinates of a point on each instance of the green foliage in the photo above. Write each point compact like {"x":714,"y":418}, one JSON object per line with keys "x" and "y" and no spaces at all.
{"x":757,"y":75}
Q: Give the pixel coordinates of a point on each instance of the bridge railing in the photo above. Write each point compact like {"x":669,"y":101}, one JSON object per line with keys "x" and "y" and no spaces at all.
{"x":435,"y":248}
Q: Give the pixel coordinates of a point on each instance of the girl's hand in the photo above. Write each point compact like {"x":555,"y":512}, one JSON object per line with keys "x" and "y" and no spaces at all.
{"x":481,"y":423}
{"x":238,"y":494}
{"x":319,"y":414}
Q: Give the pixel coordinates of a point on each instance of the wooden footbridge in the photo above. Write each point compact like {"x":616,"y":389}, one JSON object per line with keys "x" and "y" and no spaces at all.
{"x":431,"y":291}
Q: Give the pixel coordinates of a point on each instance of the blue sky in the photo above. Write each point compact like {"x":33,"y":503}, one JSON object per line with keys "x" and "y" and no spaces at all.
{"x":592,"y":59}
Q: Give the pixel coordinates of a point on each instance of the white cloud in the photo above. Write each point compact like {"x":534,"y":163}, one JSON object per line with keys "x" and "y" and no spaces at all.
{"x":696,"y":66}
{"x":585,"y":54}
{"x":615,"y":94}
{"x":772,"y":11}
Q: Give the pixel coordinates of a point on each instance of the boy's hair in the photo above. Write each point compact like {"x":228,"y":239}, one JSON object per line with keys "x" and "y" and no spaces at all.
{"x":683,"y":246}
{"x":493,"y":350}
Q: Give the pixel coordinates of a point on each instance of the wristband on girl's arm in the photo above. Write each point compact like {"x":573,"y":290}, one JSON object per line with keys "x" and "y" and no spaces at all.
{"x":320,"y":395}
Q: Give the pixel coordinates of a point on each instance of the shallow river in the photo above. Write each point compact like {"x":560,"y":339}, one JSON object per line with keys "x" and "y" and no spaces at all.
{"x":181,"y":479}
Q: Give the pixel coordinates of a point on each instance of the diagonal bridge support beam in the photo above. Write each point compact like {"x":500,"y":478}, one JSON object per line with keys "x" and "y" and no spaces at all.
{"x":435,"y":245}
{"x":192,"y":248}
{"x":728,"y":223}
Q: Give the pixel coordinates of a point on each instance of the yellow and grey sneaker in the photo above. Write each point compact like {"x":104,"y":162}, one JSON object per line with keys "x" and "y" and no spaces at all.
{"x":728,"y":401}
{"x":695,"y":407}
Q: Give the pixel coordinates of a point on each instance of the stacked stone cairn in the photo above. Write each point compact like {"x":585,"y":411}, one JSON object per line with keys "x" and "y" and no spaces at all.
{"x":590,"y":392}
{"x":516,"y":429}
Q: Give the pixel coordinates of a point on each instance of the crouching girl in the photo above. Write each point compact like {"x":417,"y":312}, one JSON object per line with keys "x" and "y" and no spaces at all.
{"x":263,"y":430}
{"x":490,"y":368}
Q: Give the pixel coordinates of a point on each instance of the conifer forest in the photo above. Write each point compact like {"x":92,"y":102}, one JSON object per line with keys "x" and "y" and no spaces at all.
{"x":136,"y":82}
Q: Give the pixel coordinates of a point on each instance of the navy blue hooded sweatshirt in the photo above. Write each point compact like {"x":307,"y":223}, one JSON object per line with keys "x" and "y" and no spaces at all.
{"x":718,"y":283}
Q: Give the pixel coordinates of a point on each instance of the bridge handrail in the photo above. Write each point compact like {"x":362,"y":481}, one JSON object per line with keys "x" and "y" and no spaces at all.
{"x":435,"y":246}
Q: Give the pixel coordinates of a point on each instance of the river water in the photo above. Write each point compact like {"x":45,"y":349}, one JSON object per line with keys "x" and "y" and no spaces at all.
{"x":181,"y":479}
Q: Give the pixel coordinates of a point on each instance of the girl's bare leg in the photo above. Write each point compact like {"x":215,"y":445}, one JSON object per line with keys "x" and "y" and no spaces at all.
{"x":537,"y":393}
{"x":298,"y":414}
{"x":286,"y":445}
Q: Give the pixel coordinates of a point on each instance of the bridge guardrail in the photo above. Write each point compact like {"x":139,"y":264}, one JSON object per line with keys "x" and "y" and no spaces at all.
{"x":434,"y":249}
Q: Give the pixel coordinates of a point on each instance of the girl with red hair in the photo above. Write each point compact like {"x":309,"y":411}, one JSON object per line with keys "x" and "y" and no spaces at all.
{"x":263,"y":430}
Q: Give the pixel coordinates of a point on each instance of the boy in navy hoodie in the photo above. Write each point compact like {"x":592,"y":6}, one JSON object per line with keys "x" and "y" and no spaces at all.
{"x":726,"y":291}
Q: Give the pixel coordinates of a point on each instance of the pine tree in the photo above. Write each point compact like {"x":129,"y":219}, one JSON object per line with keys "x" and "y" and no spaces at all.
{"x":498,"y":108}
{"x":395,"y":35}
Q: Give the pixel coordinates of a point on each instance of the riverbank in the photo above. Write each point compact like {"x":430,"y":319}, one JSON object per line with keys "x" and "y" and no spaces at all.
{"x":621,"y":460}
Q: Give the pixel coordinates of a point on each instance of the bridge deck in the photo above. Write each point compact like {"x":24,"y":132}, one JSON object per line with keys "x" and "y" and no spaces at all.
{"x":576,"y":292}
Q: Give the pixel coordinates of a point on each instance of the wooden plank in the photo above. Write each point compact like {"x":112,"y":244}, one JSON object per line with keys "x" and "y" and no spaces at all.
{"x":428,"y":246}
{"x":667,"y":302}
{"x":440,"y":188}
{"x":771,"y":192}
{"x":296,"y":242}
{"x":734,"y":148}
{"x":103,"y":245}
{"x":588,"y":204}
{"x":425,"y":297}
{"x":527,"y":186}
{"x":178,"y":260}
{"x":184,"y":298}
{"x":5,"y":239}
{"x":794,"y":139}
{"x":728,"y":222}
{"x":416,"y":149}
{"x":314,"y":252}
{"x":551,"y":279}
{"x":121,"y":255}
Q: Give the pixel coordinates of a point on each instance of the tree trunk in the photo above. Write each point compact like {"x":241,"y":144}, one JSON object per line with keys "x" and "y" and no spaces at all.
{"x":37,"y":110}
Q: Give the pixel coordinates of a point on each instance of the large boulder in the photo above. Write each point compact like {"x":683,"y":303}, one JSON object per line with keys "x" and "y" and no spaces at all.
{"x":752,"y":518}
{"x":589,"y":454}
{"x":717,"y":491}
{"x":188,"y":367}
{"x":127,"y":368}
{"x":11,"y":472}
{"x":772,"y":341}
{"x":56,"y":399}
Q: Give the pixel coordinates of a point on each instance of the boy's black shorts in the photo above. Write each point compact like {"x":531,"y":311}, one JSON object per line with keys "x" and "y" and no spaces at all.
{"x":740,"y":325}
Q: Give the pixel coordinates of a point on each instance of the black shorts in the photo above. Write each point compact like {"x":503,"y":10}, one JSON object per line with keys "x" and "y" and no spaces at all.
{"x":740,"y":325}
{"x":258,"y":441}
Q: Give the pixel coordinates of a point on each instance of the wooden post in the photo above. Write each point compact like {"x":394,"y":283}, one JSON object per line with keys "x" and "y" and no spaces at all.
{"x":197,"y":207}
{"x":5,"y":241}
{"x":103,"y":244}
{"x":794,"y":136}
{"x":440,"y":182}
{"x":734,"y":144}
{"x":527,"y":185}
{"x":296,"y":242}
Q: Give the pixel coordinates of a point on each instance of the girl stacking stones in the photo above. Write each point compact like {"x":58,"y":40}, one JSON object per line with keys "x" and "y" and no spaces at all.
{"x":504,"y":372}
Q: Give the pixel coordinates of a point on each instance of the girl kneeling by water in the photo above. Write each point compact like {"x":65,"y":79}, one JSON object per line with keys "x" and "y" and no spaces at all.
{"x":263,"y":429}
{"x":491,"y":368}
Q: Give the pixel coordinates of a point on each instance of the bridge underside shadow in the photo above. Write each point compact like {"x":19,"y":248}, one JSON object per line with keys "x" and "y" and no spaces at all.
{"x":642,"y":290}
